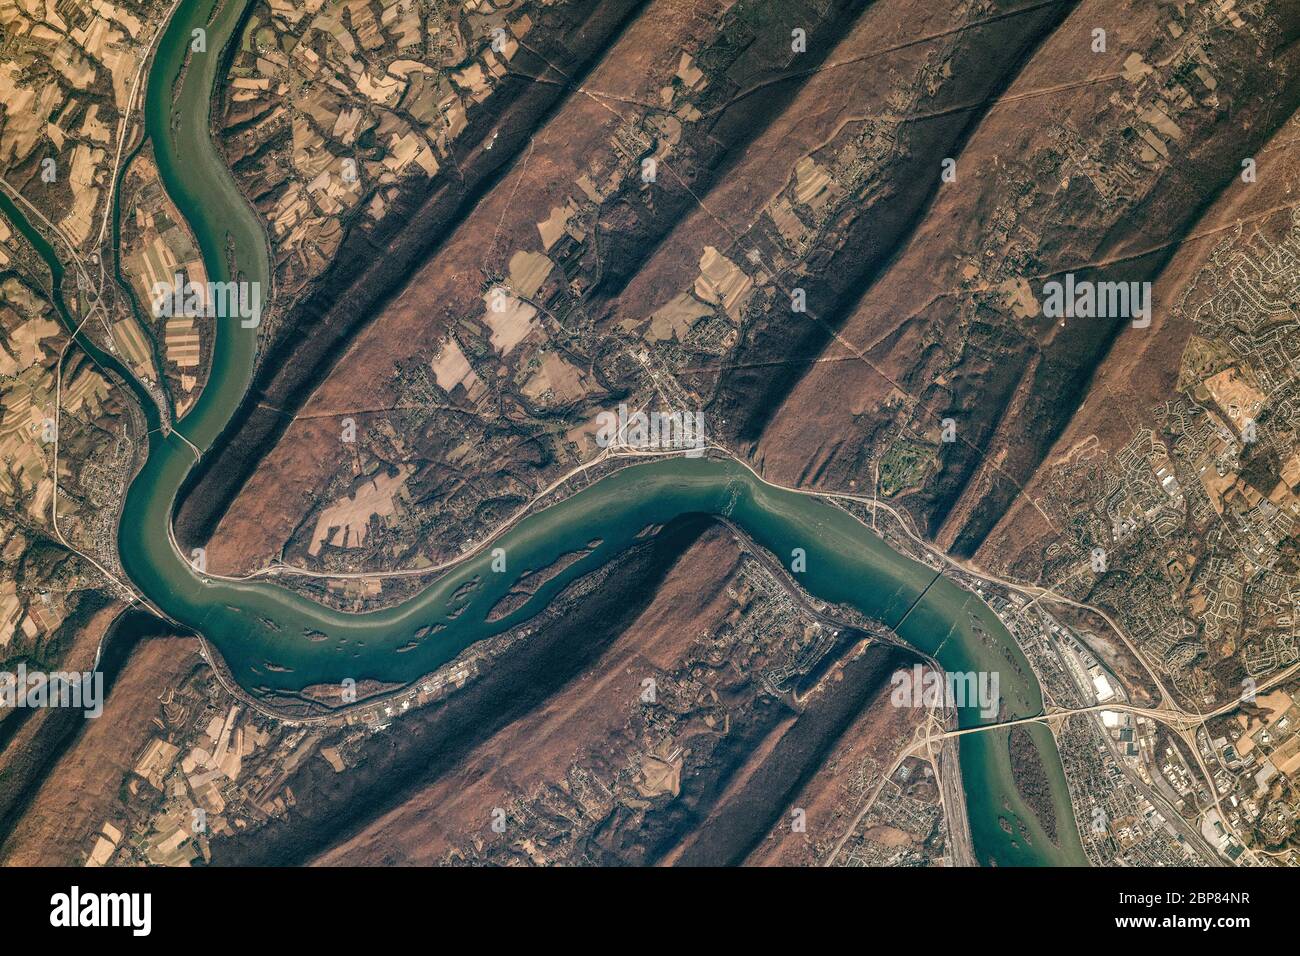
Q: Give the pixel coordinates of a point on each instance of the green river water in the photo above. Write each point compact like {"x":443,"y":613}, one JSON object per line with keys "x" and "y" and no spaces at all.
{"x":271,"y":638}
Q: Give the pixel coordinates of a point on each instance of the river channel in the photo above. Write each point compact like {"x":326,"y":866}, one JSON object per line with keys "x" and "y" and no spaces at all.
{"x":273,"y":639}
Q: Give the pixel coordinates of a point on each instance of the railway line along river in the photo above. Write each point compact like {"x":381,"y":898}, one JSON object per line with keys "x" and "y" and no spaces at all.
{"x":272,"y":639}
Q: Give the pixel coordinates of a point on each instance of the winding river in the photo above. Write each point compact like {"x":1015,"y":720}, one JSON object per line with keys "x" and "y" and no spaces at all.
{"x":273,"y":639}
